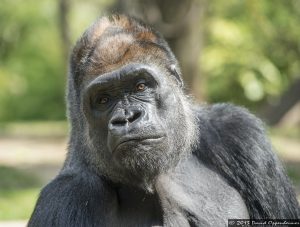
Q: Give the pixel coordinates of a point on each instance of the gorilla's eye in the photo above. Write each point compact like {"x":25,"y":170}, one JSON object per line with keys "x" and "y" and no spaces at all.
{"x":140,"y":87}
{"x":102,"y":100}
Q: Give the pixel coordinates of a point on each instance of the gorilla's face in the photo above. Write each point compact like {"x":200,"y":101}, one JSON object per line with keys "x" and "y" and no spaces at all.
{"x":137,"y":124}
{"x":130,"y":119}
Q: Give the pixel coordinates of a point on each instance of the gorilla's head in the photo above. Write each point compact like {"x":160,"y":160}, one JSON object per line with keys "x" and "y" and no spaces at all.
{"x":130,"y":119}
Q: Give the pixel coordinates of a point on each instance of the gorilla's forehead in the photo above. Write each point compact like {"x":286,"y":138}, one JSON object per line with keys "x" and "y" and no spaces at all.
{"x":112,"y":42}
{"x":112,"y":51}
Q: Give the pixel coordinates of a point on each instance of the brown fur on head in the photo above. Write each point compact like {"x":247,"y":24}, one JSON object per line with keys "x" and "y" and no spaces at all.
{"x":114,"y":41}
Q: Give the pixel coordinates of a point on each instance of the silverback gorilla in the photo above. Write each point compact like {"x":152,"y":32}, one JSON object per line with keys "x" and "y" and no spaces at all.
{"x":142,"y":154}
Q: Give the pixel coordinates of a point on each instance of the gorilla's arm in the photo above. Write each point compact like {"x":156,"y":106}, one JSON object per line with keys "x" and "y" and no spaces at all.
{"x":233,"y":143}
{"x":75,"y":199}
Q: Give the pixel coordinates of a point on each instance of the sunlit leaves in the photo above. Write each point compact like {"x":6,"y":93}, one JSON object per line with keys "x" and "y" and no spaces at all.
{"x":252,"y":50}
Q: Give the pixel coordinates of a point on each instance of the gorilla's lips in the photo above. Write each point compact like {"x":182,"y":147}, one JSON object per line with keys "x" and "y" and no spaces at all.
{"x":135,"y":141}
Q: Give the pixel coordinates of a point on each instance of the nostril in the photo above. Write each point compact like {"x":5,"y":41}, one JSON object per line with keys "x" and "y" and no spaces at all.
{"x":134,"y":117}
{"x":119,"y":122}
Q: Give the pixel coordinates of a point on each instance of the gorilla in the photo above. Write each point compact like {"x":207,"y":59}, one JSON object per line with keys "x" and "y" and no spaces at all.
{"x":141,"y":153}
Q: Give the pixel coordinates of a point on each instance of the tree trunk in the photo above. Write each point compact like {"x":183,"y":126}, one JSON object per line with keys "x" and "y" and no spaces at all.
{"x":273,"y":113}
{"x":64,"y":8}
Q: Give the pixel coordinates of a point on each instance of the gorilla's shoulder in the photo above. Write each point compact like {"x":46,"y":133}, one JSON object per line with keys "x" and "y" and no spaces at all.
{"x":233,"y":142}
{"x":229,"y":119}
{"x":65,"y":182}
{"x":230,"y":126}
{"x":72,"y":198}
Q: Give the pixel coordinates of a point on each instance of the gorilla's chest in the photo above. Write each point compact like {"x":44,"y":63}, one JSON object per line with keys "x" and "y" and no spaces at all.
{"x":193,"y":195}
{"x":196,"y":196}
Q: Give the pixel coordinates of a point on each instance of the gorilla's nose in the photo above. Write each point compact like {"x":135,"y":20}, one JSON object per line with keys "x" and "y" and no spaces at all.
{"x":127,"y":118}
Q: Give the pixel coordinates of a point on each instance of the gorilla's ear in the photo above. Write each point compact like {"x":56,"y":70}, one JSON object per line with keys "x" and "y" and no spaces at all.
{"x":177,"y":76}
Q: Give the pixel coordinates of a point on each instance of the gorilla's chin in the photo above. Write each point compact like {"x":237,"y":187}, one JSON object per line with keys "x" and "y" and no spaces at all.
{"x":143,"y":160}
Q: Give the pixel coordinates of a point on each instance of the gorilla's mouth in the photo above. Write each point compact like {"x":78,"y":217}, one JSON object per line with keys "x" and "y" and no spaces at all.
{"x":135,"y":141}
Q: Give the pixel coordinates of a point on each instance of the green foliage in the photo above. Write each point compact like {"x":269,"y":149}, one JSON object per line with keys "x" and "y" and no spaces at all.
{"x":18,"y":193}
{"x":31,"y":65}
{"x":12,"y":178}
{"x":252,"y":49}
{"x":17,"y":203}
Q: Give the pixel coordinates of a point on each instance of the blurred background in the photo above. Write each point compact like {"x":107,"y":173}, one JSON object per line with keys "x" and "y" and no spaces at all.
{"x":242,"y":51}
